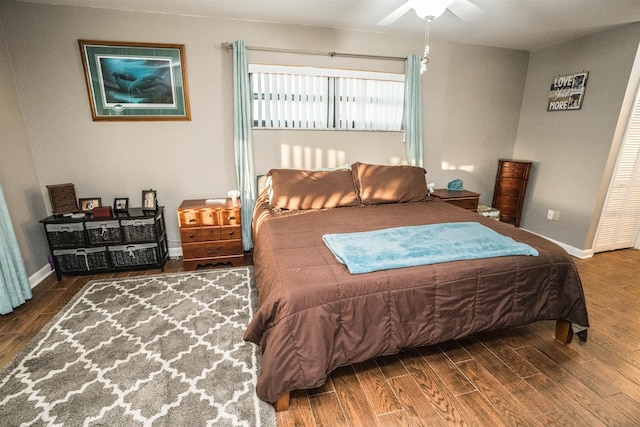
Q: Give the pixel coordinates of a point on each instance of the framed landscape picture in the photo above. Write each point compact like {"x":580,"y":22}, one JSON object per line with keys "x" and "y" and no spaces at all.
{"x":135,"y":81}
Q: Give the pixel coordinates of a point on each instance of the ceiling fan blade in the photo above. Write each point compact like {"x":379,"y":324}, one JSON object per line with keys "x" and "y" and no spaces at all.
{"x":465,"y":10}
{"x":396,"y":14}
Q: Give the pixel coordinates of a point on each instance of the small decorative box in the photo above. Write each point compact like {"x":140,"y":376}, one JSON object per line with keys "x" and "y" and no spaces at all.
{"x":63,"y":198}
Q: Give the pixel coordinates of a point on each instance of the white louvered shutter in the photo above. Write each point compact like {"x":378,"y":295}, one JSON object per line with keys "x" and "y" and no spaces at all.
{"x":620,"y":221}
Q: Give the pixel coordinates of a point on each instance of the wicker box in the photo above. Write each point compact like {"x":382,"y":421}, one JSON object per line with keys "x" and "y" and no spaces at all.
{"x":100,"y":232}
{"x":489,"y":212}
{"x":63,"y":198}
{"x":82,"y":259}
{"x":133,"y":255}
{"x":65,"y":235}
{"x":139,"y":230}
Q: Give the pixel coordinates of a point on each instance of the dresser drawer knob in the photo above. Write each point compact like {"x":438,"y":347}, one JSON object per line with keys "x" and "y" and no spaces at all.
{"x":215,"y":251}
{"x":192,"y":220}
{"x":231,"y":233}
{"x":232,"y":217}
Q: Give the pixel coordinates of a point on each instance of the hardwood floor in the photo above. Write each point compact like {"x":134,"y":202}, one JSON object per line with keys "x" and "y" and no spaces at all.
{"x":518,"y":376}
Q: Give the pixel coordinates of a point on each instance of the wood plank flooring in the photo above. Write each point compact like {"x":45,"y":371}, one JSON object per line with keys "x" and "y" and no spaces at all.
{"x":519,"y":376}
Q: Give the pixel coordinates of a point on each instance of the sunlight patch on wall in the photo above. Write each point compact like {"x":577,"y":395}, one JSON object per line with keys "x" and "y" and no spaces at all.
{"x":446,"y":166}
{"x":298,"y":157}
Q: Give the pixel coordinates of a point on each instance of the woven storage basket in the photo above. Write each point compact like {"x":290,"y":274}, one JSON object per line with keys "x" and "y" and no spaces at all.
{"x":84,"y":259}
{"x":103,"y":232}
{"x":139,"y":230}
{"x":132,"y":255}
{"x":64,"y":235}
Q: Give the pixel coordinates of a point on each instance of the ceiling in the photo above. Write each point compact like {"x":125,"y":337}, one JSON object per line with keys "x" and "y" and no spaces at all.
{"x":515,"y":24}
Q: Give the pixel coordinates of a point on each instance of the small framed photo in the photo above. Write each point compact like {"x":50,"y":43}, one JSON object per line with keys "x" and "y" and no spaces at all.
{"x":149,"y":200}
{"x":121,"y":204}
{"x":87,"y":204}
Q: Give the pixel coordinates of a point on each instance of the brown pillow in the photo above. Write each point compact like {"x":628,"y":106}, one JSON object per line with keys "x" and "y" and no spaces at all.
{"x":389,"y":184}
{"x":303,"y":189}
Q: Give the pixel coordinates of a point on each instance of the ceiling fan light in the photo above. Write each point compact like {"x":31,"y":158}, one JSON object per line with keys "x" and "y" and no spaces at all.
{"x":431,"y":8}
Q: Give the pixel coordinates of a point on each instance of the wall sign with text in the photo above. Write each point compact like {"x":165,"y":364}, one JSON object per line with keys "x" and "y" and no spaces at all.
{"x":567,"y":92}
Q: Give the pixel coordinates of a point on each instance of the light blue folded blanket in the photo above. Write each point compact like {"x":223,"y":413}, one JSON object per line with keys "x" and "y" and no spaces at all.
{"x":364,"y":252}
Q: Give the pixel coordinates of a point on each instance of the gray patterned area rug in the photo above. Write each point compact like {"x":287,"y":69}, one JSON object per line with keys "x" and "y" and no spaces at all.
{"x":163,"y":350}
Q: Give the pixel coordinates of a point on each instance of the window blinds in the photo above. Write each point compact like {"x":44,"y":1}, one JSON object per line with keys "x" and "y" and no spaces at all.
{"x":311,"y":98}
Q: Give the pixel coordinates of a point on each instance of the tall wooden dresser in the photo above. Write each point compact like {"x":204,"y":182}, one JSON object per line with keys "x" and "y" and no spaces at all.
{"x":511,"y":184}
{"x":211,"y":232}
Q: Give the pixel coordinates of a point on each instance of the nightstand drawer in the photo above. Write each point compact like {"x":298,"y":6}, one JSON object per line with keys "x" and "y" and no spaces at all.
{"x":230,"y":232}
{"x":463,"y":199}
{"x":210,"y":233}
{"x":212,"y":249}
{"x":230,"y":217}
{"x":189,"y":218}
{"x":209,"y":217}
{"x":193,"y":235}
{"x":470,"y":204}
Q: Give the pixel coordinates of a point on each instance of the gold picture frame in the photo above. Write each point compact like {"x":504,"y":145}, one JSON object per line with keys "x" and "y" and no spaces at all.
{"x":135,"y":81}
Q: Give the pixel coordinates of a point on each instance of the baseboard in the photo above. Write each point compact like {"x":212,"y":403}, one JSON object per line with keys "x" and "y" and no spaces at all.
{"x":175,"y":252}
{"x":40,"y":275}
{"x":573,"y":251}
{"x":44,"y":272}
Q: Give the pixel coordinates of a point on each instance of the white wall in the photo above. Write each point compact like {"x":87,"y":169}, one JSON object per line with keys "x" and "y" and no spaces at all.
{"x":570,"y":149}
{"x":472,"y":98}
{"x":18,"y":174}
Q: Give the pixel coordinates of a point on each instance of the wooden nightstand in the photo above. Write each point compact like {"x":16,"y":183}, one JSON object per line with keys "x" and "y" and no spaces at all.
{"x":464,"y":199}
{"x":211,"y":233}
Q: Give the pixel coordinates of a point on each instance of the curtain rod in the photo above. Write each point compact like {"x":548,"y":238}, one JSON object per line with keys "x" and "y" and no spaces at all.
{"x":227,"y":45}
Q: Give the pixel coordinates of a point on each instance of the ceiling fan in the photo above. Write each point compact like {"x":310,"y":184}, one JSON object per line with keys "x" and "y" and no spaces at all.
{"x":431,"y":9}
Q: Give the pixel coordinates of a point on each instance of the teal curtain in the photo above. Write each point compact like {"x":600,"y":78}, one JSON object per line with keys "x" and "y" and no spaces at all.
{"x":242,"y":139}
{"x":14,"y":283}
{"x":413,"y":111}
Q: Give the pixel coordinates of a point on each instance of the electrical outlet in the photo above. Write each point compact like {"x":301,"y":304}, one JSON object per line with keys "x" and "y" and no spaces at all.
{"x":553,"y":215}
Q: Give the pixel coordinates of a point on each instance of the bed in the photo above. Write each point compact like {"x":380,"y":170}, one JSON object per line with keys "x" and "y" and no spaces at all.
{"x":314,"y":315}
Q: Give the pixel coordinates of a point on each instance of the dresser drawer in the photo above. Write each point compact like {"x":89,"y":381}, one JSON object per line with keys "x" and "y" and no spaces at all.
{"x":508,"y":205}
{"x":513,"y":170}
{"x":215,"y":249}
{"x":510,"y":191}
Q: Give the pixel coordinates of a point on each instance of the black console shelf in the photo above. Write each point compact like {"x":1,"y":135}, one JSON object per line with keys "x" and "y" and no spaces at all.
{"x":131,"y":240}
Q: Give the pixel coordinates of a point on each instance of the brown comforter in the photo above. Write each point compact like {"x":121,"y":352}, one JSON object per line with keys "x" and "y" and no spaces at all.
{"x":315,"y":316}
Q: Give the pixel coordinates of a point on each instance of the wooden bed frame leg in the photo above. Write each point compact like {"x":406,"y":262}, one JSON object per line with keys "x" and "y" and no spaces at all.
{"x":282,"y":404}
{"x":564,"y":333}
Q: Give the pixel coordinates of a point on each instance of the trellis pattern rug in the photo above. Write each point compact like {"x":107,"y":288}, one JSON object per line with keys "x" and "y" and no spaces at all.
{"x":163,"y":350}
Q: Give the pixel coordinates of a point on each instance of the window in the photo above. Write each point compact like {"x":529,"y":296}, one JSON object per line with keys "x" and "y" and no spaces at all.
{"x":313,"y":98}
